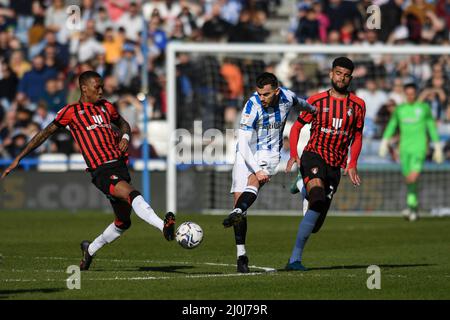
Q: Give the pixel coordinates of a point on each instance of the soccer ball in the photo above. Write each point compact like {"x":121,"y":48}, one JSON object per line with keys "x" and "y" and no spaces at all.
{"x":189,"y":235}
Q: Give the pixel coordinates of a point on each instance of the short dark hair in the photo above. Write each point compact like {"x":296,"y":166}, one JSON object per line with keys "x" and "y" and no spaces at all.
{"x":266,"y":78}
{"x":410,"y":85}
{"x":86,"y":76}
{"x":344,"y":62}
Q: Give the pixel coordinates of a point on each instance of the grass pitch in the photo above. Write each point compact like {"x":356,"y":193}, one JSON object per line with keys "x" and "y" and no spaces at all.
{"x":37,"y":248}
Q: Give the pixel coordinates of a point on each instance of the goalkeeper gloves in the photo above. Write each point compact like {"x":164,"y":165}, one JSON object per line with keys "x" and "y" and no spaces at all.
{"x":384,"y":147}
{"x":438,"y":154}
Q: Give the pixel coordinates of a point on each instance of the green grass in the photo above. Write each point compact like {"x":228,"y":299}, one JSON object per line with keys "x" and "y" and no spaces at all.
{"x":38,"y":247}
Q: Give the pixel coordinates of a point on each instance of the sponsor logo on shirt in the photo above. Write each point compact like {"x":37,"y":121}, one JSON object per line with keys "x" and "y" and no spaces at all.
{"x":275,"y":125}
{"x":334,"y":131}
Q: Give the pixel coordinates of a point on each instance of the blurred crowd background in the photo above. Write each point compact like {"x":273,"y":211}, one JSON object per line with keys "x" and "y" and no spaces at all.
{"x":41,"y":58}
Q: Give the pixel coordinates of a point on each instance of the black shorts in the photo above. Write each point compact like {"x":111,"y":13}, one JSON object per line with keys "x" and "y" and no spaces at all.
{"x":313,"y":166}
{"x":106,"y":176}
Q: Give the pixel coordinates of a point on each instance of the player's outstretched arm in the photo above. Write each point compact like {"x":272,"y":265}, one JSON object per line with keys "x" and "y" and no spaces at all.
{"x":35,"y":142}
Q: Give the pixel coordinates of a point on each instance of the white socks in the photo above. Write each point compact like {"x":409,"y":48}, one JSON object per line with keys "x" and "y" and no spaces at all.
{"x":146,"y":213}
{"x":110,"y":234}
{"x":240,"y":250}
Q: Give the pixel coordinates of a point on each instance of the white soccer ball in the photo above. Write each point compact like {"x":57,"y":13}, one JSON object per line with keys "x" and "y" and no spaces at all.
{"x":189,"y":235}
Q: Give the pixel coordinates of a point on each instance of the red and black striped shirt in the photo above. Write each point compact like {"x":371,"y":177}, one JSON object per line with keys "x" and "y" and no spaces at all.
{"x":333,"y":126}
{"x":90,"y":126}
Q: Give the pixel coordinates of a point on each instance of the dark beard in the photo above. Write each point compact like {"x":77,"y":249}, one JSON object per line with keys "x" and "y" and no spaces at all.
{"x":338,"y":89}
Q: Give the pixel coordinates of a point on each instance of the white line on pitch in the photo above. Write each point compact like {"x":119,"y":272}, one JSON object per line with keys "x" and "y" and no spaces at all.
{"x":266,"y":269}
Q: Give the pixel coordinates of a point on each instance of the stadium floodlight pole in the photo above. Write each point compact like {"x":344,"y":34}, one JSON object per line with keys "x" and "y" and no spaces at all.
{"x":174,"y":47}
{"x":143,"y":98}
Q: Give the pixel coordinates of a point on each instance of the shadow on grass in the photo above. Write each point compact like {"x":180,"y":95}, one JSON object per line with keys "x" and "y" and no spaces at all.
{"x":385,"y":266}
{"x":5,"y":293}
{"x":171,"y":269}
{"x":174,"y":269}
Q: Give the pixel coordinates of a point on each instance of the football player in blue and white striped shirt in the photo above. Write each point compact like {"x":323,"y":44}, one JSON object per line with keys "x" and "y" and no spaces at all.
{"x":260,"y":139}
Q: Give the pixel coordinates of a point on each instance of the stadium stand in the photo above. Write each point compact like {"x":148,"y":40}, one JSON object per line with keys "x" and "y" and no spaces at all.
{"x":41,"y":58}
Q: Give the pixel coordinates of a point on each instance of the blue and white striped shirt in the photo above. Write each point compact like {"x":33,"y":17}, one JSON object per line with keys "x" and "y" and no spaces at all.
{"x":268,"y":123}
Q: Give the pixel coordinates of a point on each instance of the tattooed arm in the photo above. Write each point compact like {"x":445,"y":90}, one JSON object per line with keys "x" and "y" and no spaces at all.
{"x":125,"y":133}
{"x":37,"y":140}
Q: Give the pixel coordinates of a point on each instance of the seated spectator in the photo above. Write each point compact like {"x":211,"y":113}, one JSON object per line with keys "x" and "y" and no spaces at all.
{"x":373,"y":96}
{"x":397,"y":94}
{"x":189,"y":23}
{"x":383,"y":116}
{"x":42,"y":116}
{"x":50,"y":40}
{"x":131,"y":21}
{"x":419,"y":9}
{"x":257,"y":30}
{"x":91,"y":31}
{"x":166,"y":10}
{"x":102,"y":21}
{"x":53,"y":98}
{"x":56,"y":17}
{"x":215,"y":27}
{"x":178,"y":33}
{"x":348,"y":32}
{"x":241,"y":32}
{"x":8,"y":85}
{"x":51,"y":59}
{"x":130,"y":108}
{"x":127,"y":69}
{"x":436,"y":97}
{"x":110,"y":88}
{"x":33,"y":82}
{"x":339,"y":12}
{"x":308,"y":28}
{"x":391,"y":13}
{"x":85,"y":47}
{"x":18,"y":143}
{"x":100,"y":66}
{"x":112,"y":44}
{"x":23,"y":118}
{"x":18,"y":64}
{"x":157,"y":34}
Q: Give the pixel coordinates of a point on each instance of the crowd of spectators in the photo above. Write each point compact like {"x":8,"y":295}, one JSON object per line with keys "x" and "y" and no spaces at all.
{"x":44,"y":47}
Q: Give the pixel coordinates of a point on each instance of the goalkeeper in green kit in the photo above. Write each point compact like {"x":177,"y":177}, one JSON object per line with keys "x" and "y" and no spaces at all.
{"x":414,"y":119}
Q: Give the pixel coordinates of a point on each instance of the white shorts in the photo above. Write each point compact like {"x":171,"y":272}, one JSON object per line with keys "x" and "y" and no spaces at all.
{"x":268,"y":161}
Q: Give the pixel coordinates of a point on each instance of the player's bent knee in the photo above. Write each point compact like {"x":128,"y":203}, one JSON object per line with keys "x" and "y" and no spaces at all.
{"x":317,"y":199}
{"x":123,"y":225}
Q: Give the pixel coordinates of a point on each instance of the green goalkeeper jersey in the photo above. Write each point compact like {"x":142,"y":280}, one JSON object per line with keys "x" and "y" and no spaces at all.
{"x":413,"y":120}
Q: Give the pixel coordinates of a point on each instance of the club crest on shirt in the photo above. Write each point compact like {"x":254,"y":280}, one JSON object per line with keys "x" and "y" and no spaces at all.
{"x":350,"y":112}
{"x":81,"y":112}
{"x":325,"y":109}
{"x":314,"y":170}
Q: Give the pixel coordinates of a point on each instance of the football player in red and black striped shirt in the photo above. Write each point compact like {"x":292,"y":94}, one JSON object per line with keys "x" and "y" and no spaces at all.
{"x":337,"y":125}
{"x":90,"y":122}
